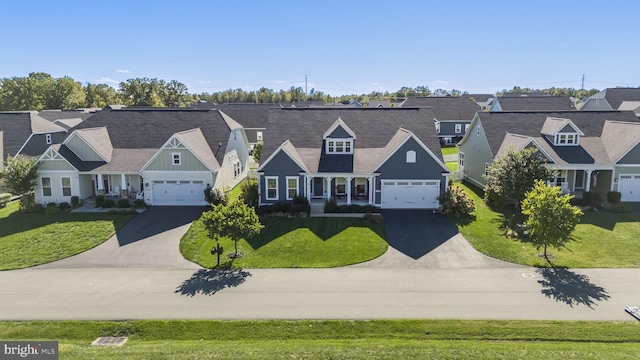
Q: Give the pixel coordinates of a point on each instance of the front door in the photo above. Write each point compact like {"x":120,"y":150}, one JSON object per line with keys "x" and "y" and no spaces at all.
{"x":105,"y":184}
{"x":318,"y":187}
{"x":579,"y":179}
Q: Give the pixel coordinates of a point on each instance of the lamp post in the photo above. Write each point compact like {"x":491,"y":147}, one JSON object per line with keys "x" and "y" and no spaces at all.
{"x":218,"y":250}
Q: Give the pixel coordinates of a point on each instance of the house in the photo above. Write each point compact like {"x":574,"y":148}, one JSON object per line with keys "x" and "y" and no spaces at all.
{"x":386,"y":157}
{"x":529,"y":102}
{"x":631,"y":105}
{"x":610,"y":99}
{"x":164,"y":156}
{"x":66,"y":118}
{"x":452,"y":115}
{"x":252,"y":117}
{"x":27,"y":134}
{"x":483,"y":100}
{"x":590,"y":150}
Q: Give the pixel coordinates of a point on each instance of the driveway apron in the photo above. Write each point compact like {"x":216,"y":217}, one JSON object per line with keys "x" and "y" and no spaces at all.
{"x":150,"y":240}
{"x":427,"y":239}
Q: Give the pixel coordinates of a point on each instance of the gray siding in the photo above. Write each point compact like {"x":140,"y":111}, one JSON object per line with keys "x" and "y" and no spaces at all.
{"x":281,"y":165}
{"x":601,"y":105}
{"x":632,"y":157}
{"x":339,"y":133}
{"x":82,"y":150}
{"x":425,"y":167}
{"x":449,"y":128}
{"x":476,"y":154}
{"x":55,"y":165}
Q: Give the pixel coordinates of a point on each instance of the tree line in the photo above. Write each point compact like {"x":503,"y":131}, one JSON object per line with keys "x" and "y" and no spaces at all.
{"x":39,"y":91}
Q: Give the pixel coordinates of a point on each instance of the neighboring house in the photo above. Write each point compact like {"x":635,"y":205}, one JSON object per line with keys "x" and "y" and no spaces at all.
{"x":252,"y":117}
{"x":483,"y":100}
{"x":590,"y":151}
{"x":631,"y":106}
{"x":379,"y":104}
{"x":452,"y":115}
{"x":528,"y":102}
{"x":388,"y":157}
{"x":27,"y":134}
{"x":610,"y":99}
{"x":166,"y":157}
{"x":66,"y":118}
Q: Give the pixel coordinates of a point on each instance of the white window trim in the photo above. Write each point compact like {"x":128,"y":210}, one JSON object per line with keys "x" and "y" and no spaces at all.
{"x":458,"y":128}
{"x":437,"y":127}
{"x":259,"y":135}
{"x":48,"y":139}
{"x":173,"y":158}
{"x":411,"y":157}
{"x":289,"y":188}
{"x":466,"y":127}
{"x":331,"y":146}
{"x":62,"y":187}
{"x":461,"y":159}
{"x":571,"y":139}
{"x":266,"y":187}
{"x":42,"y":187}
{"x":486,"y":169}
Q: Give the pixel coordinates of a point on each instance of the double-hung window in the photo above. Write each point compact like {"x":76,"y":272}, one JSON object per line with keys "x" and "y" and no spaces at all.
{"x":66,"y":186}
{"x":46,"y":186}
{"x":272,"y":187}
{"x":292,"y":187}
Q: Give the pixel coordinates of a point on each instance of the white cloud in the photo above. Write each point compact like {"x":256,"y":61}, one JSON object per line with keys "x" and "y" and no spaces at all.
{"x":441,"y":82}
{"x":106,"y":80}
{"x":279,"y":81}
{"x":375,"y":84}
{"x":123,"y":71}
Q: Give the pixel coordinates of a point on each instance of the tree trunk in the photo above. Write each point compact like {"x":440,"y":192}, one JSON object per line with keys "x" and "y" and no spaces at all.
{"x":236,"y":245}
{"x":545,"y":252}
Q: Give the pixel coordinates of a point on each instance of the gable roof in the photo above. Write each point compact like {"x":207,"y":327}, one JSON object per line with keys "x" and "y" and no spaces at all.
{"x":619,"y":138}
{"x":250,"y":116}
{"x":519,"y":142}
{"x":445,"y":107}
{"x":553,"y":125}
{"x":498,"y":124}
{"x":98,"y":139}
{"x":53,"y":115}
{"x":17,"y":129}
{"x":374,"y":127}
{"x":150,"y":128}
{"x":615,"y":96}
{"x":335,"y":125}
{"x":535,"y":103}
{"x":197,"y":144}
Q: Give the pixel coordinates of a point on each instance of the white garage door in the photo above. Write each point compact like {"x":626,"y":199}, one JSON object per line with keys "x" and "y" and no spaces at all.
{"x":178,"y":192}
{"x":629,"y":187}
{"x":410,"y":194}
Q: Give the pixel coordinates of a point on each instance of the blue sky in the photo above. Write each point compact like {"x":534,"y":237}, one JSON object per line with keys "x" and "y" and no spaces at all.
{"x":343,"y":47}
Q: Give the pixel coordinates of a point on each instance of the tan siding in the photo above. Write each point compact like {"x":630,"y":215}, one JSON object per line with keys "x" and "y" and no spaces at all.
{"x":164,"y":162}
{"x":80,"y":148}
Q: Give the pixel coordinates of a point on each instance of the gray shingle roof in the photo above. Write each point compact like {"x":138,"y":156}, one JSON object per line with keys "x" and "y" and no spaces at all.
{"x":53,"y":115}
{"x":536,"y":103}
{"x":615,"y":96}
{"x":374,"y":128}
{"x":498,"y":124}
{"x":445,"y":107}
{"x":250,"y":116}
{"x":151,"y":128}
{"x":18,"y":127}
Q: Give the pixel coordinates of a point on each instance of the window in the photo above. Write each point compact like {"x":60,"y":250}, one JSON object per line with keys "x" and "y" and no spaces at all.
{"x":176,"y":158}
{"x":461,"y":159}
{"x":259,"y":135}
{"x":478,"y":130}
{"x":343,"y":146}
{"x":361,"y":187}
{"x":272,"y":187}
{"x":341,"y":186}
{"x":66,"y":186}
{"x":486,"y":169}
{"x":46,"y":186}
{"x":458,"y":128}
{"x":292,"y":187}
{"x":438,"y":127}
{"x":48,"y":138}
{"x":566,"y":139}
{"x":237,"y":169}
{"x":411,"y":157}
{"x":466,"y":127}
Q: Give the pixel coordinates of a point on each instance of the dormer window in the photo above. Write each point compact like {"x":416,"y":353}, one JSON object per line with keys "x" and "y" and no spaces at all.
{"x":437,"y":127}
{"x":339,"y":146}
{"x":566,"y":139}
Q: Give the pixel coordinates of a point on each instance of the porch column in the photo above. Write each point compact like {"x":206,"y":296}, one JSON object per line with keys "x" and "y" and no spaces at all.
{"x":329,"y":178}
{"x":588,"y":186}
{"x":100,"y":184}
{"x":370,"y":189}
{"x":613,"y":178}
{"x":123,"y":184}
{"x":307,"y":180}
{"x":348,"y":190}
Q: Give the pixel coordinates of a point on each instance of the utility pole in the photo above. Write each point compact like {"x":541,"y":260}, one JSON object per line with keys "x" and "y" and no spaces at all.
{"x":305,"y":86}
{"x":582,"y":88}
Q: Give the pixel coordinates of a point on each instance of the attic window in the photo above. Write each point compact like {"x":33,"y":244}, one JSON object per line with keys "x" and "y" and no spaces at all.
{"x":566,"y":139}
{"x":176,"y":158}
{"x":411,"y":157}
{"x":48,"y":139}
{"x":339,"y":146}
{"x":458,"y":128}
{"x":438,"y":127}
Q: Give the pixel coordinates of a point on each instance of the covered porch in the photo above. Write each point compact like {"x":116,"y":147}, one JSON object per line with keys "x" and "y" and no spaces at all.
{"x":578,"y":181}
{"x":346,"y":189}
{"x":121,"y":185}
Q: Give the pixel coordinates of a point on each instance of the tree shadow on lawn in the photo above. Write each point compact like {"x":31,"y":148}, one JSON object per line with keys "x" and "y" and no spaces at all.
{"x":210,"y":281}
{"x":607,"y":220}
{"x":323,"y":228}
{"x":22,"y":221}
{"x":564,"y":285}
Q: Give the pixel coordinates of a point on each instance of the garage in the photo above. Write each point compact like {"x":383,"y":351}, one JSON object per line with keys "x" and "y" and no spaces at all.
{"x":410,"y":194}
{"x":178,"y":192}
{"x":629,"y":187}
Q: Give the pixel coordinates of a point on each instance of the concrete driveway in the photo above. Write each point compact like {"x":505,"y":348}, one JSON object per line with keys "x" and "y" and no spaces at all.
{"x":425,"y":239}
{"x":150,"y":240}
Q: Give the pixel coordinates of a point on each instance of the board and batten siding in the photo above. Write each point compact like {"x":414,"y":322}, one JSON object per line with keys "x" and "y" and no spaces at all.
{"x":281,"y":165}
{"x":54,"y":165}
{"x":164,"y":161}
{"x":82,"y":150}
{"x":477,"y":153}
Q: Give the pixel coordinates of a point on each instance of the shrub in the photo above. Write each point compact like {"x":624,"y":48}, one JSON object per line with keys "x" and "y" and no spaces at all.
{"x":215,"y":196}
{"x":123,"y":204}
{"x":614,"y":197}
{"x":249,"y":193}
{"x":282,"y":208}
{"x":456,"y":202}
{"x":108,"y":203}
{"x":591,"y":198}
{"x":99,"y":201}
{"x":373,"y":218}
{"x":331,"y":205}
{"x":36,"y":209}
{"x":139,"y":203}
{"x":51,"y":210}
{"x":75,"y":201}
{"x":576,"y":201}
{"x":64,"y":205}
{"x":620,"y":208}
{"x":123,"y":212}
{"x":300,"y":200}
{"x":4,"y":199}
{"x":52,"y":205}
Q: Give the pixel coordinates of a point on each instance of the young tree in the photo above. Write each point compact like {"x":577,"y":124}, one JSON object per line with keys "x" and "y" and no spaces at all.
{"x":234,"y":220}
{"x":257,"y":151}
{"x":19,"y":177}
{"x":552,"y":218}
{"x":511,"y":176}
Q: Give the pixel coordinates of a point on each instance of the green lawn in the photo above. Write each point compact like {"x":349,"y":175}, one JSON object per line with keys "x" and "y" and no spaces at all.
{"x":294,"y":243}
{"x":452,"y":165}
{"x":449,"y":150}
{"x":378,"y":339}
{"x":33,"y":239}
{"x":602,"y":239}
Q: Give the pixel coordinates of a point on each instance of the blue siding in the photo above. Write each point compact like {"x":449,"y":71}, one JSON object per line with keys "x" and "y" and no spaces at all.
{"x":339,"y":133}
{"x":281,"y":165}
